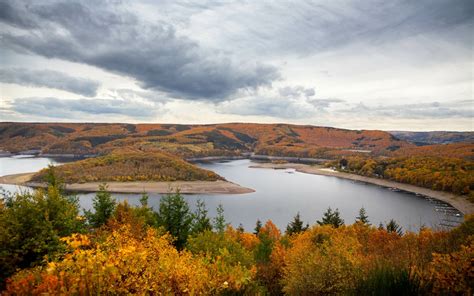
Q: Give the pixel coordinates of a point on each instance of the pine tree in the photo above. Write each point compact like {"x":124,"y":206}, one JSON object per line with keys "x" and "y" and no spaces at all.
{"x":241,"y":228}
{"x":258,"y":226}
{"x":175,"y":217}
{"x":362,"y":218}
{"x":392,"y":226}
{"x":104,"y":206}
{"x":296,"y":226}
{"x":331,"y":218}
{"x":219,"y":220}
{"x":201,"y":220}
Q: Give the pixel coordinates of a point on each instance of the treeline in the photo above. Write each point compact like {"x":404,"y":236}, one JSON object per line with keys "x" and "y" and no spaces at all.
{"x":437,"y":173}
{"x":129,"y":166}
{"x":48,"y":248}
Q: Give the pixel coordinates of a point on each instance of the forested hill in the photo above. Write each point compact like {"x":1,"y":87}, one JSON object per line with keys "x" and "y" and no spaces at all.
{"x":435,"y":137}
{"x":197,"y":140}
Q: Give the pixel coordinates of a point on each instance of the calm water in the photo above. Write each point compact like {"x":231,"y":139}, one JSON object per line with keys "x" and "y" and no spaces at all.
{"x":280,"y":194}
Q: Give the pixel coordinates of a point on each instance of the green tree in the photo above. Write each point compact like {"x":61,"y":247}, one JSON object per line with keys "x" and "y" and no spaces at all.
{"x":201,"y":220}
{"x":104,"y":206}
{"x":258,"y":226}
{"x":175,"y":217}
{"x":219,"y":220}
{"x":296,"y":226}
{"x":392,"y":226}
{"x":31,"y":225}
{"x":52,"y":179}
{"x":145,"y":211}
{"x":241,"y":228}
{"x":362,"y":218}
{"x":331,"y":218}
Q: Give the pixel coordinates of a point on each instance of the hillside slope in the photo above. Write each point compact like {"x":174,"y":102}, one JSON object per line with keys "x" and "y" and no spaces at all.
{"x":196,"y":140}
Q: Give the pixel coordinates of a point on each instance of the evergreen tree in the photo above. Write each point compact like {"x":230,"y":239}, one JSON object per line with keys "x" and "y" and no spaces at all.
{"x":145,"y":211}
{"x":331,"y":218}
{"x":219,"y":220}
{"x":104,"y":206}
{"x":201,"y":220}
{"x":362,"y":218}
{"x":296,"y":226}
{"x":392,"y":226}
{"x":175,"y":217}
{"x":258,"y":226}
{"x":241,"y":228}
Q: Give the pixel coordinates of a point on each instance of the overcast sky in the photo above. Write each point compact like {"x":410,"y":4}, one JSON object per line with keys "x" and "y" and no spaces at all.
{"x":372,"y":64}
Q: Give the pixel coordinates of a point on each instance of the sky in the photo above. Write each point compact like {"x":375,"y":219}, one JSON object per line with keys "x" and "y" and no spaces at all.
{"x":373,"y":64}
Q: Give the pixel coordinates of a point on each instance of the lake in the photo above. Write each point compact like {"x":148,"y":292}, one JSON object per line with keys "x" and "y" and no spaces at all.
{"x":279,"y":195}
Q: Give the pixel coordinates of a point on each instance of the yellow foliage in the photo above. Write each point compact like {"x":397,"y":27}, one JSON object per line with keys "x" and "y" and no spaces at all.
{"x":322,"y":260}
{"x":123,"y":264}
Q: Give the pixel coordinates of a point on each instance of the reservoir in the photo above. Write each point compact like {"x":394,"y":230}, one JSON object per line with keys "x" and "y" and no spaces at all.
{"x":280,"y":194}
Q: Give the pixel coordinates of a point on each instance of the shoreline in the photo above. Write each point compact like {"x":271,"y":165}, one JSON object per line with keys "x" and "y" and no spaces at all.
{"x":185,"y":187}
{"x":457,"y":202}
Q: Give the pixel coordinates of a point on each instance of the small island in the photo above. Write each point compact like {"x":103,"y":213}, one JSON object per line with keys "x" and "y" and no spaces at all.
{"x":128,"y":171}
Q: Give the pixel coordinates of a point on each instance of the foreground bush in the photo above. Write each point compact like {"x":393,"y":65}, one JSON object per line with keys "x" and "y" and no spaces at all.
{"x":126,"y":264}
{"x":31,"y":225}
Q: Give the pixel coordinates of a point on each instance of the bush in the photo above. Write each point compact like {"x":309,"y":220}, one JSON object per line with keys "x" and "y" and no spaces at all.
{"x":31,"y":225}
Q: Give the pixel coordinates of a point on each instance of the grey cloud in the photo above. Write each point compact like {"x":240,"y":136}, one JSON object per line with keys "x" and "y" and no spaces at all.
{"x":155,"y":55}
{"x":435,"y":110}
{"x":69,"y":109}
{"x":296,"y":91}
{"x":50,"y":79}
{"x":268,"y":106}
{"x":290,"y":103}
{"x":322,"y":104}
{"x":14,"y":15}
{"x":306,"y":27}
{"x":131,"y":95}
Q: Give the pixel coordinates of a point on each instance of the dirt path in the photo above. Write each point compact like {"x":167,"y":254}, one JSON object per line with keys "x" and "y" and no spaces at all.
{"x":458,"y":202}
{"x":191,"y":187}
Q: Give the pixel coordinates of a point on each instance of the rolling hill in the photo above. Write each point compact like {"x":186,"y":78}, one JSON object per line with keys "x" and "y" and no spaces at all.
{"x":196,"y":140}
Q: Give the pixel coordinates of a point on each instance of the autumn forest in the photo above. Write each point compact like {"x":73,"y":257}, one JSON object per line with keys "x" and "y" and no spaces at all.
{"x":117,"y":248}
{"x":49,"y":245}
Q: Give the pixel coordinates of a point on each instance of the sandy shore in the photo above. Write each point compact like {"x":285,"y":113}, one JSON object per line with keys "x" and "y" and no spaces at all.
{"x":191,"y":187}
{"x":458,"y":202}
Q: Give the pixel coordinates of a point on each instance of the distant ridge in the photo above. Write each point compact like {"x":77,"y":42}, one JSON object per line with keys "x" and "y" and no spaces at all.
{"x":434,"y":137}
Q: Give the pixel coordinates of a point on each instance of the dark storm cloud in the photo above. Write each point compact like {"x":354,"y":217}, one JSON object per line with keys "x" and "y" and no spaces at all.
{"x":50,"y":79}
{"x":60,"y":108}
{"x":109,"y":38}
{"x":14,"y":15}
